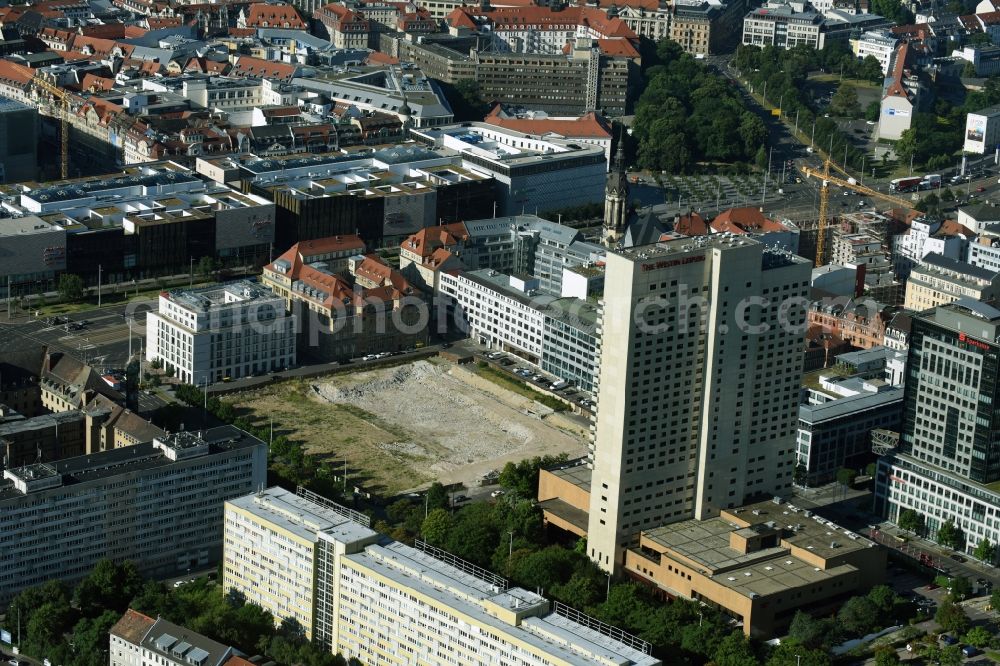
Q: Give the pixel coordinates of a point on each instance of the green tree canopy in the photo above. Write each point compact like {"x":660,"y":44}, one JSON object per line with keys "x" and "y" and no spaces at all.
{"x":70,"y":287}
{"x":845,"y":101}
{"x":951,"y":617}
{"x":911,"y":521}
{"x":436,"y":527}
{"x":859,"y":616}
{"x":985,"y":551}
{"x":951,"y":535}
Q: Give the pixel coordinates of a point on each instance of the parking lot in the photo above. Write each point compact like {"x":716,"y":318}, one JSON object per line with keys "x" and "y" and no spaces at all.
{"x":540,"y":380}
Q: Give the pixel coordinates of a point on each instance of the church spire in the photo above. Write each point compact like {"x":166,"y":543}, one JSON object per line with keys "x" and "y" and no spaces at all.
{"x":616,"y":197}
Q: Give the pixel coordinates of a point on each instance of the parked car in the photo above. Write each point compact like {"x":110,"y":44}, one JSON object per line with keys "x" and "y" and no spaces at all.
{"x":369,"y":357}
{"x":970,"y":651}
{"x":948,"y":639}
{"x":958,"y":558}
{"x":497,"y":493}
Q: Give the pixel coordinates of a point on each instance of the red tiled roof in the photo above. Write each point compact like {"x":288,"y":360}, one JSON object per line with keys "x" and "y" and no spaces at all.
{"x":541,"y":18}
{"x":248,"y":66}
{"x":11,"y":71}
{"x":317,"y":246}
{"x":94,"y":83}
{"x":428,"y":239}
{"x":590,"y":125}
{"x":379,"y":58}
{"x":745,"y":219}
{"x":260,"y":15}
{"x":896,"y":88}
{"x":133,"y":626}
{"x":691,"y":224}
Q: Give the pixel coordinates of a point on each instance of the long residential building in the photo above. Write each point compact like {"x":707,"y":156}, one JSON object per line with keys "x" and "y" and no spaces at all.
{"x":938,"y":280}
{"x":946,"y":466}
{"x":731,"y":384}
{"x":383,"y":602}
{"x":208,"y":335}
{"x":157,"y":503}
{"x":508,"y":312}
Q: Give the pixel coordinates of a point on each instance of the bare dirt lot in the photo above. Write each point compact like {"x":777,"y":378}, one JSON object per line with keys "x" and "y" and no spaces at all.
{"x":405,"y":426}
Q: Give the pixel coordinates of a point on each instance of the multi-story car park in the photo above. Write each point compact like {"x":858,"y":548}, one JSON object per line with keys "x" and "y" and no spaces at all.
{"x":158,"y":504}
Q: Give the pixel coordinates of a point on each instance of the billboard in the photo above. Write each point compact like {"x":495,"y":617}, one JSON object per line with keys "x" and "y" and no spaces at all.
{"x":975,"y":134}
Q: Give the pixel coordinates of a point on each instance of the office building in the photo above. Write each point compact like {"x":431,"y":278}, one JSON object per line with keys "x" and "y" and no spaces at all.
{"x":939,"y":280}
{"x":18,"y":142}
{"x":32,"y":255}
{"x":158,"y":504}
{"x":835,"y":430}
{"x":510,"y":313}
{"x":523,"y":244}
{"x":207,"y":335}
{"x":879,"y":44}
{"x":685,"y":434}
{"x":943,"y":237}
{"x":903,"y":95}
{"x":42,"y":438}
{"x":138,"y":639}
{"x":382,"y":196}
{"x":383,"y":602}
{"x":946,"y":466}
{"x":532,"y":174}
{"x":367,"y":307}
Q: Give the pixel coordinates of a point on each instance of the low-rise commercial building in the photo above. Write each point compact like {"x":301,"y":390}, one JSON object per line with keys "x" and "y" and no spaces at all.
{"x":939,"y":280}
{"x":836,"y":433}
{"x":158,"y":504}
{"x":42,"y":438}
{"x":374,"y":599}
{"x":760,"y":563}
{"x":207,"y":335}
{"x":879,"y":44}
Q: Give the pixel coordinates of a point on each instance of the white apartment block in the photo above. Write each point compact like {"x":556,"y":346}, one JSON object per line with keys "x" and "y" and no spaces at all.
{"x":510,"y":313}
{"x":880,"y":44}
{"x":206,"y":335}
{"x":389,"y":604}
{"x":270,"y":548}
{"x":697,"y":396}
{"x":158,"y":504}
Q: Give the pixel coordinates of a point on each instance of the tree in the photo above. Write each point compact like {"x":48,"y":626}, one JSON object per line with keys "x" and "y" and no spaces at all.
{"x":47,"y":625}
{"x":735,"y":650}
{"x":911,"y":521}
{"x":760,"y":159}
{"x":951,"y":655}
{"x":894,"y":10}
{"x":845,"y":101}
{"x":845,"y":476}
{"x":978,"y":636}
{"x":886,"y":655}
{"x":70,"y":287}
{"x":884,"y":598}
{"x":995,"y":600}
{"x":951,"y":535}
{"x":951,"y":617}
{"x":436,"y":527}
{"x":791,"y":653}
{"x":437,"y":497}
{"x":810,"y":632}
{"x":858,"y":616}
{"x":108,"y":586}
{"x":968,"y":71}
{"x":206,"y":265}
{"x":871,"y":69}
{"x":947,"y":194}
{"x":870,"y":469}
{"x":985,"y":551}
{"x":800,"y":474}
{"x":960,"y":588}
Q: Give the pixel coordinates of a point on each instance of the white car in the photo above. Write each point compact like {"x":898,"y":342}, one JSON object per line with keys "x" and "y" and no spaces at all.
{"x":496,"y":493}
{"x":369,"y":357}
{"x":180,"y":582}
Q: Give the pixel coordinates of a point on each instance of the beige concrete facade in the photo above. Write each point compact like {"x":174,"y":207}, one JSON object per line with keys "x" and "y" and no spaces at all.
{"x":697,"y":398}
{"x":760,"y":564}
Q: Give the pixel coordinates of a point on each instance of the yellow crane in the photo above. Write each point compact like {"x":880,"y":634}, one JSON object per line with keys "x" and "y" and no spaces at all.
{"x":847,"y":182}
{"x":61,"y":98}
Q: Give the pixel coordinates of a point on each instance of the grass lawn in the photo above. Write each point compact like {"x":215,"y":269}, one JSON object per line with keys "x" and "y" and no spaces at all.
{"x":107,"y":298}
{"x":336,"y":431}
{"x":857,"y":83}
{"x":504,"y":381}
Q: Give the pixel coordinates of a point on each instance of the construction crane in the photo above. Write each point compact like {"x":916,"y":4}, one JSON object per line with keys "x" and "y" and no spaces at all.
{"x":61,"y":98}
{"x":847,"y":182}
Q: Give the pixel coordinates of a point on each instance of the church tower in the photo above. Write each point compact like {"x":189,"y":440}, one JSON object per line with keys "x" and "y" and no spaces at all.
{"x":616,"y":198}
